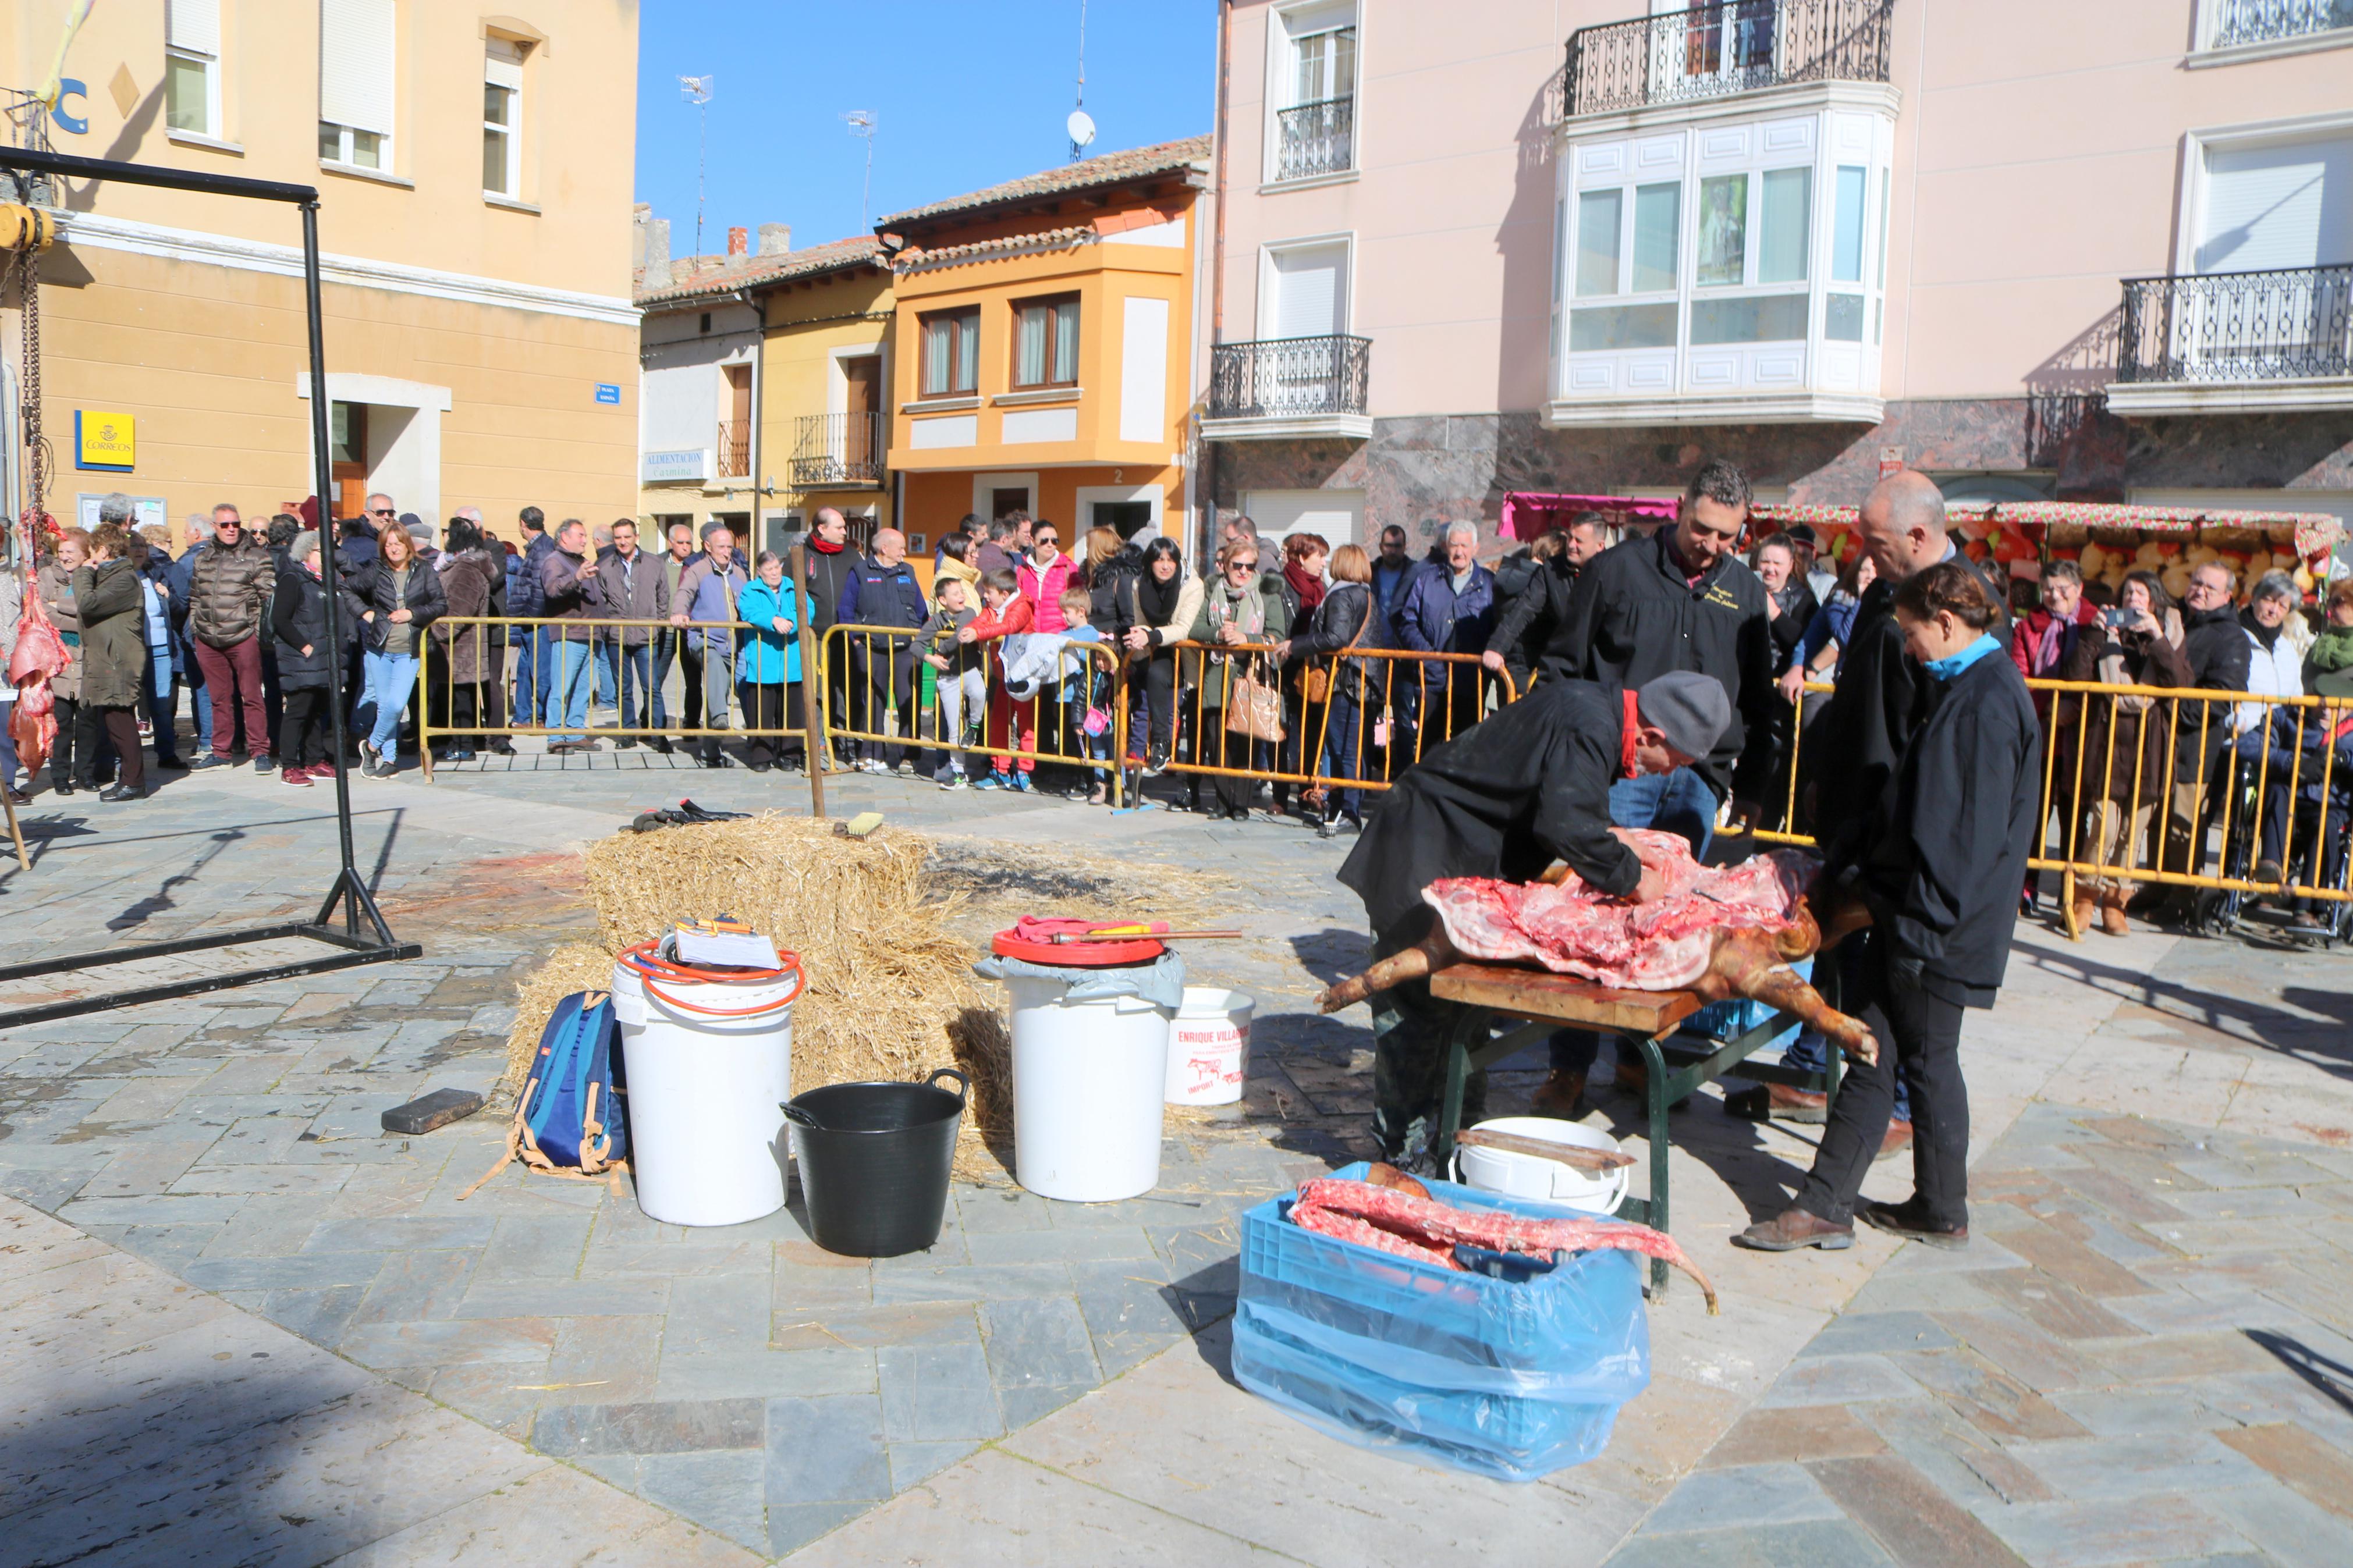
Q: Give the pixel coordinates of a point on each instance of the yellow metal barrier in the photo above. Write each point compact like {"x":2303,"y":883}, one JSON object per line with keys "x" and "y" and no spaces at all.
{"x":474,"y":643}
{"x":1085,"y":678}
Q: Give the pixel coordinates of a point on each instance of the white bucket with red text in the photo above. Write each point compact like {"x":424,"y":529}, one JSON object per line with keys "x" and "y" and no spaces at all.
{"x":1209,"y":1046}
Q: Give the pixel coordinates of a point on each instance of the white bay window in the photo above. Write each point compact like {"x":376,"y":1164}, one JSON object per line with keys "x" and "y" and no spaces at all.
{"x":1723,"y":271}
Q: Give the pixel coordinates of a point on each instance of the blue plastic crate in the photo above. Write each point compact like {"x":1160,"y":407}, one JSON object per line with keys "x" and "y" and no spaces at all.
{"x":1505,"y":1380}
{"x":1724,"y":1020}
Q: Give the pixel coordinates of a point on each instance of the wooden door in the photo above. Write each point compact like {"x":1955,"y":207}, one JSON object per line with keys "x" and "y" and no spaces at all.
{"x":863,"y":435}
{"x":347,"y":459}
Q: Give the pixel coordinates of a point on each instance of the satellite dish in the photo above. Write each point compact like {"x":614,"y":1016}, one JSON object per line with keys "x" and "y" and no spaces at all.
{"x":1081,"y":127}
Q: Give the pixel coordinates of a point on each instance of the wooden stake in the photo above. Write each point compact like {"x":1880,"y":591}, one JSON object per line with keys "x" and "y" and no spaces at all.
{"x":813,"y":758}
{"x":1592,"y":1161}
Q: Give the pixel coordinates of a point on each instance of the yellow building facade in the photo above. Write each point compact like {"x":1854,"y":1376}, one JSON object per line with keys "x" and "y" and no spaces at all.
{"x":474,"y":173}
{"x":772,"y":365}
{"x":1039,"y":360}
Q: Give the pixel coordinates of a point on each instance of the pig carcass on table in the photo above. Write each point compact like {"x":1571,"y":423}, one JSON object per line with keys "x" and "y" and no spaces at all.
{"x":1719,"y":932}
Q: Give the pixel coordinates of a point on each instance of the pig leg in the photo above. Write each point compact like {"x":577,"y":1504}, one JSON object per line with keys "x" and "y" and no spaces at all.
{"x":1434,"y":952}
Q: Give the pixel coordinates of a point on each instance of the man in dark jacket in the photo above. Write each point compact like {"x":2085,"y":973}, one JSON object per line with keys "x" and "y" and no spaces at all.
{"x":229,"y":590}
{"x":1679,"y":599}
{"x":829,"y":561}
{"x":1537,"y":605}
{"x":1528,"y":786}
{"x":2215,"y":647}
{"x":633,"y":586}
{"x":568,"y":590}
{"x":881,"y":591}
{"x":535,"y":647}
{"x":1449,"y":606}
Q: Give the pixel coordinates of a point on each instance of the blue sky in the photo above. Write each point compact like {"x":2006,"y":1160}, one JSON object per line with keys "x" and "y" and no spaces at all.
{"x":965,"y":92}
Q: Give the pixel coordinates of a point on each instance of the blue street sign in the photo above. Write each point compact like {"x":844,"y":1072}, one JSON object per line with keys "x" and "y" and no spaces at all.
{"x":607,"y":391}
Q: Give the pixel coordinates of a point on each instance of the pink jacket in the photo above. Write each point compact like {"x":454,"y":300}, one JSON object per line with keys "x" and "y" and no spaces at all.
{"x":1044,"y":591}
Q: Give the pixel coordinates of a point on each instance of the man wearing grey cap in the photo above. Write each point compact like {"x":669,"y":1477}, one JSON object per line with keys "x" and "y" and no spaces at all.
{"x":1506,"y":799}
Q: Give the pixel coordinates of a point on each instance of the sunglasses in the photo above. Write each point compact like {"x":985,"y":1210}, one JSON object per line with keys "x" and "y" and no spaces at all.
{"x":1241,"y":567}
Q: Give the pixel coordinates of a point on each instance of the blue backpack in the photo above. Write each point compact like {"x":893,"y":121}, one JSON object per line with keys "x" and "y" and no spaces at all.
{"x":570,"y":1118}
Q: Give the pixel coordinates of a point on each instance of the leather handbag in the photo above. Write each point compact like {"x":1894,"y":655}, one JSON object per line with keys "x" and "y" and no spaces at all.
{"x":1316,"y":685}
{"x":1254,"y":705}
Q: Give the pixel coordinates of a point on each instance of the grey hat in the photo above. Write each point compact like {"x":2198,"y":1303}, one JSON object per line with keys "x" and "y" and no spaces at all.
{"x":1692,"y":710}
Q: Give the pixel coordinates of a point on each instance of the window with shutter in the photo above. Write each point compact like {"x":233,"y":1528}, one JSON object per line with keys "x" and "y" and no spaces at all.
{"x":1045,"y":343}
{"x":502,"y":119}
{"x":355,"y":83}
{"x":951,"y":352}
{"x":192,"y":67}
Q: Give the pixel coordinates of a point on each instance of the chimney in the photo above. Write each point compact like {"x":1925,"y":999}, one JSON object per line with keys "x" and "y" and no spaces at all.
{"x":738,"y":241}
{"x":776,"y":238}
{"x":653,"y":236}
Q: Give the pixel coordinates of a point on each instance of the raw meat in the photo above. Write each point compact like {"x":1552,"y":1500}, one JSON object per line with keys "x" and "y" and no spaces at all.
{"x":41,"y":658}
{"x":1717,"y":933}
{"x":1427,"y":1231}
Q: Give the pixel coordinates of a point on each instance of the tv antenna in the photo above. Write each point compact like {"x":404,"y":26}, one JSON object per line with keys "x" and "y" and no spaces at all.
{"x":862,"y":124}
{"x":696,"y":91}
{"x":1081,"y":124}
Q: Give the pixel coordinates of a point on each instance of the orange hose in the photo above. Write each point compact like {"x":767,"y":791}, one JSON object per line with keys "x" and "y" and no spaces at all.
{"x":647,"y":960}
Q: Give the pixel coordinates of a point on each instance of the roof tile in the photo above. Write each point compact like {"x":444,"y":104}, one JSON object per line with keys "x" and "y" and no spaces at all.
{"x":750,"y":271}
{"x":1110,"y":169}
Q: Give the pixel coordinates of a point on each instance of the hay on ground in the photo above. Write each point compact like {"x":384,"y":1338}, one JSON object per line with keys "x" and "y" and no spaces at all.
{"x":890,"y":991}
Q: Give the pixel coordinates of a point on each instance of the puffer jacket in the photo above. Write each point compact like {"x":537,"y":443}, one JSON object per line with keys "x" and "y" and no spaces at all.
{"x":471,"y":585}
{"x":372,"y":588}
{"x":55,"y":584}
{"x":764,"y":656}
{"x":114,"y":633}
{"x":230,"y":593}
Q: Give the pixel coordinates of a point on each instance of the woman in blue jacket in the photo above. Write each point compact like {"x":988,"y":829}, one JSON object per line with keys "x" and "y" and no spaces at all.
{"x":768,"y":659}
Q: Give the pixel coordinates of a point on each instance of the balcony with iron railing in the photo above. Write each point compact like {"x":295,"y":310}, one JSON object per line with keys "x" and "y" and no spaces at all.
{"x":834,"y":451}
{"x":2239,"y":23}
{"x":1289,"y":388}
{"x":1712,"y":51}
{"x":734,"y":448}
{"x":2223,"y":342}
{"x":1313,"y":140}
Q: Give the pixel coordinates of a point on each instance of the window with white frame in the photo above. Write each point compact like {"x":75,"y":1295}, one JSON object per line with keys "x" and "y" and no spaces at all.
{"x":502,"y":119}
{"x":1729,"y":257}
{"x":356,"y":83}
{"x":1313,"y":50}
{"x":192,"y":67}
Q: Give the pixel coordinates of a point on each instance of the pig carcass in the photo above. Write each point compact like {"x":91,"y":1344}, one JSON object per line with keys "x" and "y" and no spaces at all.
{"x":1717,"y":933}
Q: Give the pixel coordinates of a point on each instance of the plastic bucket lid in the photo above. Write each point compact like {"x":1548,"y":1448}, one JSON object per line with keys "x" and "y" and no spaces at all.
{"x":1031,"y":941}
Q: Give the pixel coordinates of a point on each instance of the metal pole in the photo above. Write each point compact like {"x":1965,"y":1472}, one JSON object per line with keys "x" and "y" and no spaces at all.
{"x":323,"y":484}
{"x":812,"y":688}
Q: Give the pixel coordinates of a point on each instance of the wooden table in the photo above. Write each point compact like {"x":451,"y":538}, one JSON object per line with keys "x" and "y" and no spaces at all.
{"x":1546,"y":1001}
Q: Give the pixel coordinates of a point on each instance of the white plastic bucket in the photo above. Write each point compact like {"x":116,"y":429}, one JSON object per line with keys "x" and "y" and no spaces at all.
{"x":1545,"y":1181}
{"x":706,"y":1097}
{"x":1208,"y":1047}
{"x":1087,"y":1081}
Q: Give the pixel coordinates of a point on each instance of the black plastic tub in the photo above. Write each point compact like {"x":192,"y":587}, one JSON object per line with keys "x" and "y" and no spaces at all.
{"x":874,"y":1160}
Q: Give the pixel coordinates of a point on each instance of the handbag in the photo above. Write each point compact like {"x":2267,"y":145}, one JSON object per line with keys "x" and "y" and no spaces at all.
{"x":1254,"y":707}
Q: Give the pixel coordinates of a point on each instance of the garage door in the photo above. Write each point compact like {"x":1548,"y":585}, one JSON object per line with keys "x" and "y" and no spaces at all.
{"x":1337,"y":515}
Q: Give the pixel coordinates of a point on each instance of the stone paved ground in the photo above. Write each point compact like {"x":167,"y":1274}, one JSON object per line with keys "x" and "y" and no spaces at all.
{"x":1047,"y":1385}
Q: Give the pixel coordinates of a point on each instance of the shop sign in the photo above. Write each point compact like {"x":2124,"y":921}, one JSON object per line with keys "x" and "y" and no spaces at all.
{"x":690,"y":463}
{"x":104,"y":440}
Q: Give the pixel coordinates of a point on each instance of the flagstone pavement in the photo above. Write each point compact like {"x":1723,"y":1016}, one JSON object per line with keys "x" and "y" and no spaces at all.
{"x":239,"y":1323}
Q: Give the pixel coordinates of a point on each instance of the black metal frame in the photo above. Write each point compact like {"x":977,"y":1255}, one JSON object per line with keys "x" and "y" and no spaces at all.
{"x":1275,"y":378}
{"x":2286,"y":324}
{"x":1726,"y":46}
{"x":1316,"y":139}
{"x":353,"y":947}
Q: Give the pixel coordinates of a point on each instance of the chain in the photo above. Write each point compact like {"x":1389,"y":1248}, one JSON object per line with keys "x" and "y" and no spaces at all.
{"x":37,"y":456}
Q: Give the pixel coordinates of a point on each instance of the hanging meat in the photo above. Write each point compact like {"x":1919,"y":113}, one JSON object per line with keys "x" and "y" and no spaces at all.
{"x":41,"y":658}
{"x":1395,"y":1221}
{"x":1719,"y":932}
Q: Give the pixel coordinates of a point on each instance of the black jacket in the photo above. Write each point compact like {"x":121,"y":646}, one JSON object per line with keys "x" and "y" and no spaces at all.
{"x":1788,"y":629}
{"x":873,"y":594}
{"x":2215,"y":646}
{"x":1634,"y":614}
{"x":1340,"y":622}
{"x":1947,"y":845}
{"x":1527,"y":786}
{"x":1852,"y":749}
{"x":828,"y":575}
{"x":1110,"y":595}
{"x":371,"y":586}
{"x":1534,"y":615}
{"x":298,"y":619}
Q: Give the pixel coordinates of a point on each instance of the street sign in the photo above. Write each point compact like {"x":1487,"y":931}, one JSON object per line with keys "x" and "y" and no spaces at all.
{"x":607,"y":391}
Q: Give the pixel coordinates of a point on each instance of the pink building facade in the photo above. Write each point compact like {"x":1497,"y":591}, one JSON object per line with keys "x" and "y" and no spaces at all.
{"x":2100,"y":250}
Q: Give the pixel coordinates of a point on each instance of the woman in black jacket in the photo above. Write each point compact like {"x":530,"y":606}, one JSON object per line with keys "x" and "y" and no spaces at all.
{"x":297,"y":623}
{"x":1349,"y":617}
{"x":1940,"y":868}
{"x":400,"y":596}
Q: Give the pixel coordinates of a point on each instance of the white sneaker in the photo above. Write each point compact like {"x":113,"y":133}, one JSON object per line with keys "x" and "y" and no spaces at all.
{"x":956,"y":781}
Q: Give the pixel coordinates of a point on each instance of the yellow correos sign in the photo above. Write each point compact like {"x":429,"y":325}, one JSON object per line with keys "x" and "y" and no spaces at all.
{"x":104,"y":440}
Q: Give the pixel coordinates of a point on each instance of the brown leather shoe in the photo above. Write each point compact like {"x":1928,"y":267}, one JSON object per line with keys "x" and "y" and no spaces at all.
{"x":1793,"y":1228}
{"x":2086,"y":912}
{"x":1898,"y":1139}
{"x":1905,"y":1220}
{"x":2112,"y":917}
{"x":1562,"y":1095}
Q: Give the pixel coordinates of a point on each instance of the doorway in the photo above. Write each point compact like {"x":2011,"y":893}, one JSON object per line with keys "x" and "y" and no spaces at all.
{"x":347,"y":464}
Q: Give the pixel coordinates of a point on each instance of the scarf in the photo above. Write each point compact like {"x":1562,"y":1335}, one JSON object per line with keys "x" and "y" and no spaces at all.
{"x":1306,"y":584}
{"x":1628,"y":735}
{"x":1952,"y":664}
{"x":819,"y":544}
{"x":1157,"y":600}
{"x":2267,"y":635}
{"x":1244,"y":611}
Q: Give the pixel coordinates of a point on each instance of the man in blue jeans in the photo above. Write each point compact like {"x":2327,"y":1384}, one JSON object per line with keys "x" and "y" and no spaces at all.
{"x":533,"y":646}
{"x":569,"y":591}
